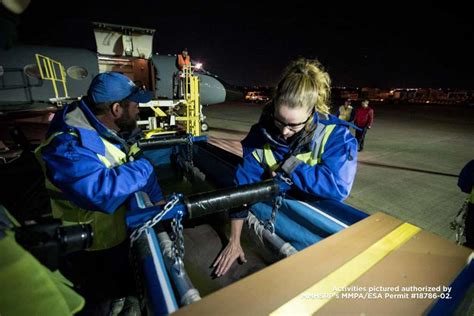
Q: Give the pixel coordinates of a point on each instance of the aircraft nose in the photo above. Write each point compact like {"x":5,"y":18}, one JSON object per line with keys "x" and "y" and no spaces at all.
{"x":214,"y":90}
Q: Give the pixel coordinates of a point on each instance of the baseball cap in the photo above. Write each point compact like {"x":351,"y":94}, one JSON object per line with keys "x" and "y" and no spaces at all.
{"x":113,"y":86}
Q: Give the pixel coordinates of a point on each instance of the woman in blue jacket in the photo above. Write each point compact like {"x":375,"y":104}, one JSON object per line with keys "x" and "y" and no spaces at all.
{"x":298,"y":137}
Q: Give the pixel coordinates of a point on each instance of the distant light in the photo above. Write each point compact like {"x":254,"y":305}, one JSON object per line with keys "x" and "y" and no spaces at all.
{"x":198,"y":66}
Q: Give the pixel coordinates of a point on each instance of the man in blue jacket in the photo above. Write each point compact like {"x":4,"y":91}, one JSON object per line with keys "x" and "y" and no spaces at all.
{"x":90,"y":179}
{"x":298,"y":137}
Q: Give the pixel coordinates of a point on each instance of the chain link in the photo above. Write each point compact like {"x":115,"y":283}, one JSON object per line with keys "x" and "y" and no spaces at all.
{"x":287,"y":180}
{"x":189,"y":148}
{"x":277,"y":202}
{"x":459,"y":222}
{"x":152,"y":222}
{"x":178,"y":245}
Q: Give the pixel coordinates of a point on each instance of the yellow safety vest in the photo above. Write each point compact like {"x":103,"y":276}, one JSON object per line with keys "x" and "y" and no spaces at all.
{"x":28,"y":287}
{"x":311,"y":158}
{"x":345,"y":114}
{"x":109,"y":229}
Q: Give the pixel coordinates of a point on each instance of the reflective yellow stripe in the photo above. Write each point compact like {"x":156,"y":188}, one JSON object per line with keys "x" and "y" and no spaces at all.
{"x":9,"y":216}
{"x":256,"y":156}
{"x":269,"y":158}
{"x":114,"y":156}
{"x":307,"y":158}
{"x":347,"y":273}
{"x":327,"y":132}
{"x":105,"y":161}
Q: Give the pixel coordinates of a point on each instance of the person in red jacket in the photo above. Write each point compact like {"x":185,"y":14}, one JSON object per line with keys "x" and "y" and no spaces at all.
{"x":364,"y":117}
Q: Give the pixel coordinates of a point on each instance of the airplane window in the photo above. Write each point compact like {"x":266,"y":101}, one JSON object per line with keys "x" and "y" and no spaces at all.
{"x":77,"y":72}
{"x":32,"y":71}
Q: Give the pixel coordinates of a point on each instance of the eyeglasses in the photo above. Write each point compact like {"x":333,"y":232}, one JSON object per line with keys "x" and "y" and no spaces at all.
{"x":294,"y":127}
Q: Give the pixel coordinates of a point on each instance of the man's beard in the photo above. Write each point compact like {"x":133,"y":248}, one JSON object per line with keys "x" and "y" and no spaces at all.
{"x":126,"y":123}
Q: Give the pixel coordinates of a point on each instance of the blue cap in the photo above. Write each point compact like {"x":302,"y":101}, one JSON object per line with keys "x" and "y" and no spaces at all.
{"x":113,"y":86}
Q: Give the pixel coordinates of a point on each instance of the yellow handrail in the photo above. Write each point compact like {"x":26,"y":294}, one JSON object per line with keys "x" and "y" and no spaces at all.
{"x":48,"y":69}
{"x":191,"y":97}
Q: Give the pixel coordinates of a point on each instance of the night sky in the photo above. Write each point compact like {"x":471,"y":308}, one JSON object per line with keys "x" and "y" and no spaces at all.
{"x":248,"y":43}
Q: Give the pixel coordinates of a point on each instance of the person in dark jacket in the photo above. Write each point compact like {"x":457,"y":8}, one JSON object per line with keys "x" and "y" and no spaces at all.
{"x":364,"y":117}
{"x":466,"y":184}
{"x":298,"y":137}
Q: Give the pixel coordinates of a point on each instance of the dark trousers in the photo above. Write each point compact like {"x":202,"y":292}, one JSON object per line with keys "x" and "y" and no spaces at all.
{"x":360,"y":136}
{"x":100,"y":276}
{"x":178,"y":85}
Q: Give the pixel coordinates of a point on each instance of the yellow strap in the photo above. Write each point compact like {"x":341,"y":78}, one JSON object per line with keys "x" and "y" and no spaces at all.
{"x":268,"y":157}
{"x":307,"y":158}
{"x":256,"y":156}
{"x":347,"y":273}
{"x":114,"y":156}
{"x":327,"y":132}
{"x":9,"y":216}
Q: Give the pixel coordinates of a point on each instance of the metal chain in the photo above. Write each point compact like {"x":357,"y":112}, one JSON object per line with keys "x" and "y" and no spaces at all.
{"x":285,"y":179}
{"x":458,"y":224}
{"x":189,"y":148}
{"x":178,"y":245}
{"x":277,"y":202}
{"x":152,"y":222}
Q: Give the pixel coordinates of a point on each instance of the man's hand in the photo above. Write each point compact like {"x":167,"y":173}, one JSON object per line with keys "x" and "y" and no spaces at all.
{"x":226,"y":258}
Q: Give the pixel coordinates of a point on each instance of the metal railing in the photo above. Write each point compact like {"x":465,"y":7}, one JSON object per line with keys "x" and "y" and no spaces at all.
{"x":53,"y":71}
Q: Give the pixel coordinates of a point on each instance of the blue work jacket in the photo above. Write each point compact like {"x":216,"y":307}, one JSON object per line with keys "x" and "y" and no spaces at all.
{"x":330,"y":178}
{"x":73,"y":165}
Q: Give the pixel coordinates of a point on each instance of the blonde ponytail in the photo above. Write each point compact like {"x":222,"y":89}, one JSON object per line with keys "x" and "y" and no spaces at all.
{"x":304,"y":84}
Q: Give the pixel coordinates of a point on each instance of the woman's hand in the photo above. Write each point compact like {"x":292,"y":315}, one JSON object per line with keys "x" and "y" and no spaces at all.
{"x":232,"y":251}
{"x":226,"y":258}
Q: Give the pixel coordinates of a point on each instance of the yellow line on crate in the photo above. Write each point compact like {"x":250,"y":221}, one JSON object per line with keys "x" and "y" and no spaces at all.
{"x":315,"y":297}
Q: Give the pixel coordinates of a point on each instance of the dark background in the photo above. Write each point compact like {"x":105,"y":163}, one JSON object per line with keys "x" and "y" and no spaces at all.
{"x":386,"y":45}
